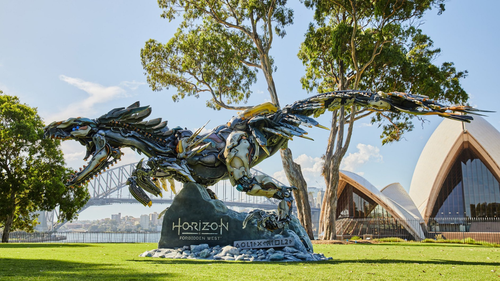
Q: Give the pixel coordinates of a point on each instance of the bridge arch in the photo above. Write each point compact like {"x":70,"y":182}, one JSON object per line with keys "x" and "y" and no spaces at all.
{"x":110,"y":188}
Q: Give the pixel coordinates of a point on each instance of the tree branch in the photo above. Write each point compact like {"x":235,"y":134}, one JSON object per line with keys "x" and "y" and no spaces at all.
{"x":214,"y":15}
{"x":349,"y":131}
{"x":395,"y":126}
{"x":353,"y":35}
{"x":251,"y":64}
{"x":270,"y":26}
{"x":358,"y":116}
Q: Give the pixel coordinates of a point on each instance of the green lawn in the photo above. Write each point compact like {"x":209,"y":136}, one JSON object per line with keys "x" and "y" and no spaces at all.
{"x":387,"y":261}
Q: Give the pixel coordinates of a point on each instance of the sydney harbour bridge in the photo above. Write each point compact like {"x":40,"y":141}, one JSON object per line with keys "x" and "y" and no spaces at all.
{"x":110,"y":188}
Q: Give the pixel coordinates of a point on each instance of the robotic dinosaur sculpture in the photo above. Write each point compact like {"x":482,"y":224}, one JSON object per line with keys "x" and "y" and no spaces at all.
{"x":228,"y":151}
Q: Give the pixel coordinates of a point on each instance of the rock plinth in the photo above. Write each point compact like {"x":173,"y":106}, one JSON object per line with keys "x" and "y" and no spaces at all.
{"x":230,"y":253}
{"x":198,"y":227}
{"x":194,"y":218}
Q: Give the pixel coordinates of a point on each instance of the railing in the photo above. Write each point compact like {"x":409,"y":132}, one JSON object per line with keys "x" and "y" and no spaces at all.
{"x":347,"y":228}
{"x":479,"y":229}
{"x":460,"y":224}
{"x":85,"y":237}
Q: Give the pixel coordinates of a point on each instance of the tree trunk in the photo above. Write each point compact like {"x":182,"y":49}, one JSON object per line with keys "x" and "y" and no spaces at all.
{"x":329,"y":206}
{"x":6,"y":229}
{"x":335,"y":151}
{"x":294,"y":175}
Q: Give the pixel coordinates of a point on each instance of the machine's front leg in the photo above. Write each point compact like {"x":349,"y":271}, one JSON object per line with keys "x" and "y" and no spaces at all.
{"x":140,"y":180}
{"x":239,"y":153}
{"x":264,"y":186}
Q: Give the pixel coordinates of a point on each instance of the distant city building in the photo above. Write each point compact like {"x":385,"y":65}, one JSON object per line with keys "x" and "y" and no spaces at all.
{"x":116,"y":217}
{"x":314,"y":195}
{"x":144,"y":221}
{"x":319,"y":199}
{"x":153,"y":218}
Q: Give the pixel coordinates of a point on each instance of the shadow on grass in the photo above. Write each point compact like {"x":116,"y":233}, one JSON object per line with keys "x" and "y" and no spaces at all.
{"x":64,"y":270}
{"x":437,"y":244}
{"x":42,"y":245}
{"x":431,"y":261}
{"x":334,"y":261}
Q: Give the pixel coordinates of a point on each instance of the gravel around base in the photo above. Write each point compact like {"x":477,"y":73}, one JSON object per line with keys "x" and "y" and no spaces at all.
{"x":230,"y":253}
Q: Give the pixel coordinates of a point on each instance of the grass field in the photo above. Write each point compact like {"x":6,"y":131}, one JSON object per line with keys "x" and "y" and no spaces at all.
{"x":386,"y":261}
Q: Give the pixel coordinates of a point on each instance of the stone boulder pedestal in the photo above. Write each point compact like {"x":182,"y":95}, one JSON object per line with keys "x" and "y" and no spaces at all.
{"x":194,"y":218}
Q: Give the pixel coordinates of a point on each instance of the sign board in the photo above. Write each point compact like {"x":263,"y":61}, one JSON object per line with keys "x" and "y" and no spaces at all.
{"x":265,"y":243}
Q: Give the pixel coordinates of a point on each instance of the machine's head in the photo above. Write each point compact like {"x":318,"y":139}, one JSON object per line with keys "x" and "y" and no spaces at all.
{"x":86,"y":132}
{"x":104,"y":136}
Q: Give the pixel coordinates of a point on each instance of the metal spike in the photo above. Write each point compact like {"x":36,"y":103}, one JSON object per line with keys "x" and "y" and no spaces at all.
{"x":307,"y":138}
{"x":172,"y":185}
{"x":265,"y":149}
{"x":191,"y":138}
{"x":279,"y":133}
{"x":322,"y":127}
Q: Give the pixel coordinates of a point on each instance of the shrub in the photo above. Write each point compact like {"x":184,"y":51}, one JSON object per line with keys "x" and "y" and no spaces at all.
{"x":391,"y":239}
{"x":439,"y":237}
{"x":428,"y":240}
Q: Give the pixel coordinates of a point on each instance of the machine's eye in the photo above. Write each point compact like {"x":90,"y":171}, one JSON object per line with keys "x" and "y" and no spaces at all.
{"x":76,"y":128}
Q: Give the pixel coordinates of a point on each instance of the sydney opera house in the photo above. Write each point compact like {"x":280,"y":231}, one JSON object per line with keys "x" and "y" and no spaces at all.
{"x":454,"y":191}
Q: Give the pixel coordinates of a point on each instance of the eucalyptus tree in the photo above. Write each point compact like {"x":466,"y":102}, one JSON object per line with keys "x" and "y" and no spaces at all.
{"x":31,"y":170}
{"x":377,"y":46}
{"x":218,"y":49}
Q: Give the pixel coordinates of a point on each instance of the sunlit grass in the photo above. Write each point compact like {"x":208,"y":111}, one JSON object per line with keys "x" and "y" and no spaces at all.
{"x":385,"y":261}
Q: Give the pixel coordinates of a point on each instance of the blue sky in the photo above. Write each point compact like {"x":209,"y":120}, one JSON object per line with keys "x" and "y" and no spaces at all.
{"x":70,"y":58}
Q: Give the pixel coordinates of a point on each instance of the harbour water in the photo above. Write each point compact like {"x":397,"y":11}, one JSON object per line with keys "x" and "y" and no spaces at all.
{"x":85,"y":237}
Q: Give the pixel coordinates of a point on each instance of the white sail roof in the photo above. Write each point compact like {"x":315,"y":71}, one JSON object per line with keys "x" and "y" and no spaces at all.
{"x":397,"y":210}
{"x":440,"y":152}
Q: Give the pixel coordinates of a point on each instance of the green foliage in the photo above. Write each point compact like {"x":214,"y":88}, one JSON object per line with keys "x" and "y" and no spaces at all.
{"x":438,"y":237}
{"x":390,"y":239}
{"x":191,"y":62}
{"x":374,"y":45}
{"x":468,"y":240}
{"x":31,"y":170}
{"x":355,"y":238}
{"x":217,"y":49}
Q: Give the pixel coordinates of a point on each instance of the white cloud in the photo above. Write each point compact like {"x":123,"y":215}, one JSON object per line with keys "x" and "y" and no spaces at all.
{"x":364,"y":125}
{"x":312,"y":167}
{"x":133,"y":85}
{"x":97,"y":94}
{"x":204,"y":130}
{"x":311,"y":170}
{"x":280,"y":176}
{"x":74,"y":153}
{"x":364,"y":154}
{"x":130,"y":156}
